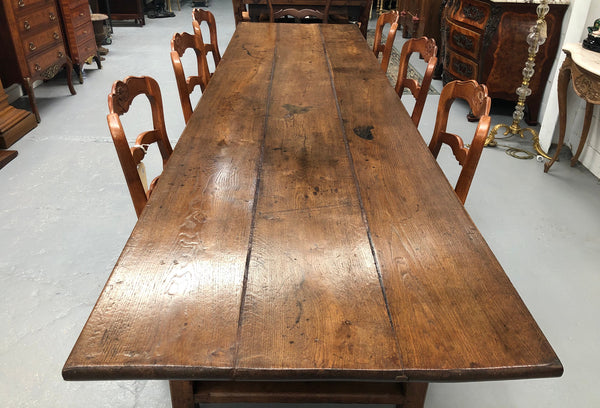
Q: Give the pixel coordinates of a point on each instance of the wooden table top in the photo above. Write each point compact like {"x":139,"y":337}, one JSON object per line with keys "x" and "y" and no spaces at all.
{"x":302,"y":230}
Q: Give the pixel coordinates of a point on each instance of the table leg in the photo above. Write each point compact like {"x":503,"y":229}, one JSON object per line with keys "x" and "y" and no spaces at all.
{"x":414,"y":395}
{"x":563,"y":80}
{"x":182,"y":394}
{"x":589,"y":110}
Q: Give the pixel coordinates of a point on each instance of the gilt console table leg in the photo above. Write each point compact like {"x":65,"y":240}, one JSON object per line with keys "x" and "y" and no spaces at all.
{"x":563,"y":81}
{"x":182,"y":394}
{"x":587,"y":121}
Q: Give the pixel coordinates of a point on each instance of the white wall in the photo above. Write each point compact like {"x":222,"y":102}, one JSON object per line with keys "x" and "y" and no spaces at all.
{"x":581,"y":14}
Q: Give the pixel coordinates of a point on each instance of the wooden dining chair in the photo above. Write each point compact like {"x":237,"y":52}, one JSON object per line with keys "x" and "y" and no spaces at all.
{"x":384,"y":19}
{"x":119,"y":102}
{"x":198,"y":17}
{"x":468,"y":157}
{"x":427,"y":50}
{"x":303,"y":14}
{"x":180,"y":43}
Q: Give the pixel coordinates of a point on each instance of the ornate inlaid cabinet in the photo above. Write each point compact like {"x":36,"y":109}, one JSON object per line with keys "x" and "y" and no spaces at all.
{"x":79,"y":32}
{"x":485,"y":40}
{"x":31,"y":45}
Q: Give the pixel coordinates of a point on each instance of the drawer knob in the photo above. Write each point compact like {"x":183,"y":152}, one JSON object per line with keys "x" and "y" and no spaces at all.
{"x":21,"y":3}
{"x":37,"y":67}
{"x":27,"y":25}
{"x":55,"y":35}
{"x":81,"y":14}
{"x":60,"y":54}
{"x":32,"y":46}
{"x":52,"y":16}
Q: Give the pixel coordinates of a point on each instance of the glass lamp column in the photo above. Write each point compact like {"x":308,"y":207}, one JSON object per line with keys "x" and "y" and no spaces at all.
{"x":536,"y":37}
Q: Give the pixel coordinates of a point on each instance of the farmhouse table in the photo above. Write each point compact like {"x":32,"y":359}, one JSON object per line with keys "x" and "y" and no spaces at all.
{"x":302,"y":233}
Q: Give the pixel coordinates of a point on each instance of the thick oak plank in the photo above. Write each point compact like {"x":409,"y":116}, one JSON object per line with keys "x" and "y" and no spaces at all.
{"x":310,"y":254}
{"x":171,"y":306}
{"x":456,"y":314}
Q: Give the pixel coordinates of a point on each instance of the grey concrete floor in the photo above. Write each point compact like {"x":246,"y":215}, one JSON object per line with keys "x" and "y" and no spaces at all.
{"x":66,"y":215}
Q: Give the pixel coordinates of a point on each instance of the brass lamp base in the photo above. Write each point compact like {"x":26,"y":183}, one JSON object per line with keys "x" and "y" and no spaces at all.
{"x":515,"y":129}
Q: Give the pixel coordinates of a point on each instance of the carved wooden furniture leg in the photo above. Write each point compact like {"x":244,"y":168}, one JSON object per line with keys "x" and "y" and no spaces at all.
{"x":563,"y":80}
{"x":589,"y":110}
{"x":32,"y":103}
{"x":69,"y":68}
{"x":98,"y":61}
{"x":182,"y":394}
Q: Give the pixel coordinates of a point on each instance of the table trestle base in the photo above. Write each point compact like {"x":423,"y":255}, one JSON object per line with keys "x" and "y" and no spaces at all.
{"x":184,"y":394}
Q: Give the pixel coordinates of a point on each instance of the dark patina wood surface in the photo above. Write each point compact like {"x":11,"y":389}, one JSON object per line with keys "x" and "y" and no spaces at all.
{"x":303,"y":230}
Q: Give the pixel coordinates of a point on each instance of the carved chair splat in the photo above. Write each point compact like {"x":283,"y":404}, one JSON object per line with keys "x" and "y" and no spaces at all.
{"x":427,"y":50}
{"x":119,"y":101}
{"x":468,"y":157}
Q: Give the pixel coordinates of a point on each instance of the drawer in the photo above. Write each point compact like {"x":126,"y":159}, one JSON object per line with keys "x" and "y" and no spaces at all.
{"x":84,"y":32}
{"x":86,"y":49}
{"x":472,"y":13}
{"x":37,"y":20}
{"x":26,"y":6}
{"x":76,"y":3}
{"x":461,"y":67}
{"x":80,"y":15}
{"x":37,"y":42}
{"x":464,"y":41}
{"x":47,"y":64}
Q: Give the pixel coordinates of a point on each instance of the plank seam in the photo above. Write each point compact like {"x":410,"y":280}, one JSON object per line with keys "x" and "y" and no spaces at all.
{"x":359,"y":196}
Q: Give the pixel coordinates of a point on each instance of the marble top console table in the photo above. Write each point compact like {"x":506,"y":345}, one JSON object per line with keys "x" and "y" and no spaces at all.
{"x":583,"y":68}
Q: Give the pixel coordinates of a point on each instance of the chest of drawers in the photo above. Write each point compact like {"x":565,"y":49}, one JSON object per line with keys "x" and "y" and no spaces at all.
{"x":79,"y":33}
{"x":31,"y":45}
{"x":485,"y":40}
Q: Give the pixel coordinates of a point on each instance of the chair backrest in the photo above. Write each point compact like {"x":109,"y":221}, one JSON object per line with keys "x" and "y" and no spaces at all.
{"x":180,"y":43}
{"x":468,"y":157}
{"x":427,"y":50}
{"x":199,"y":16}
{"x":303,"y":14}
{"x":119,"y":101}
{"x":390,"y":18}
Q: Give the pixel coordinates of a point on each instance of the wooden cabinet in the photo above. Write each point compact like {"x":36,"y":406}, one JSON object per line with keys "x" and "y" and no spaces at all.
{"x":124,"y":10}
{"x":420,"y":18}
{"x":485,"y":40}
{"x":31,"y":45}
{"x":79,"y":32}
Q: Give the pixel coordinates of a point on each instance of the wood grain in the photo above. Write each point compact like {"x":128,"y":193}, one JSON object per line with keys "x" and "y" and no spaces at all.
{"x":456,"y":314}
{"x":303,"y":231}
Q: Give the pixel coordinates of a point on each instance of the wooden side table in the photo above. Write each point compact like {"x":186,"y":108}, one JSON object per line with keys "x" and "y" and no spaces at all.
{"x":583,"y":67}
